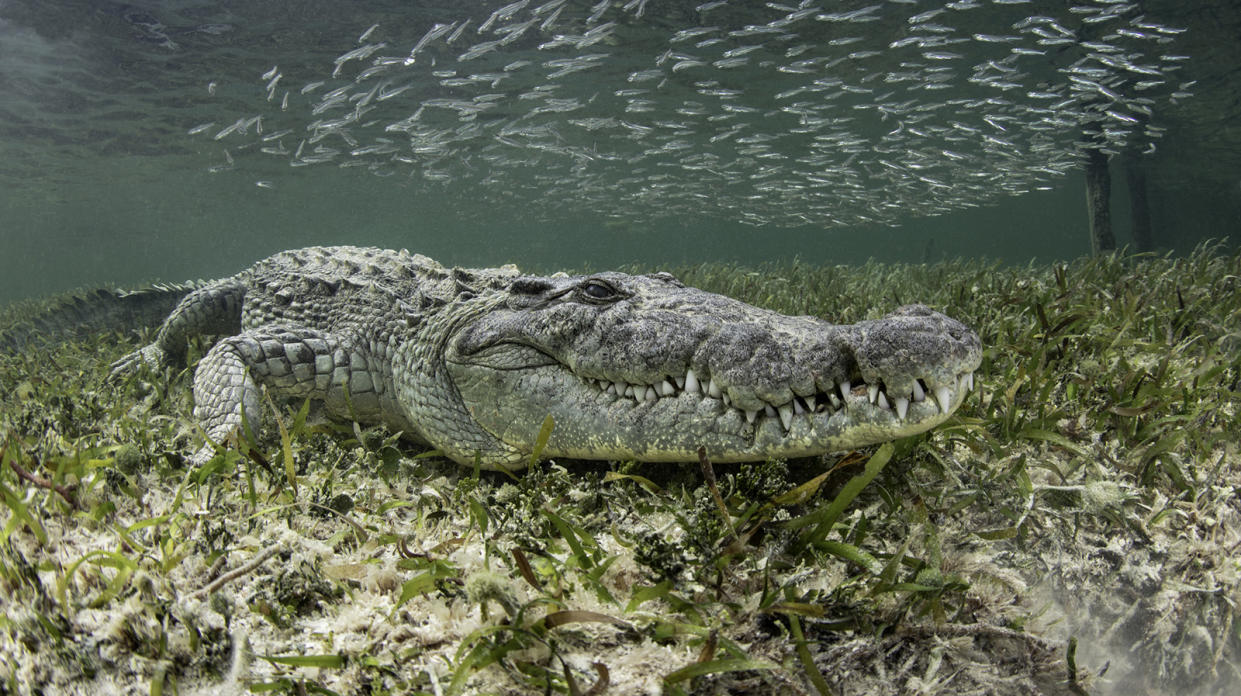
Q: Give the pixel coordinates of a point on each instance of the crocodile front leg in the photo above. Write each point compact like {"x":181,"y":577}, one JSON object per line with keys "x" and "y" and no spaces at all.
{"x":289,"y":363}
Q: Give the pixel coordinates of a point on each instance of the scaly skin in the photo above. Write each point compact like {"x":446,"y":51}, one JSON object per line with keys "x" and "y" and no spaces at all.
{"x":629,"y":367}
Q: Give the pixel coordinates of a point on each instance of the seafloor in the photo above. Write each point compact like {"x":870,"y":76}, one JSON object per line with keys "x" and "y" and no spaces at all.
{"x":1073,"y":529}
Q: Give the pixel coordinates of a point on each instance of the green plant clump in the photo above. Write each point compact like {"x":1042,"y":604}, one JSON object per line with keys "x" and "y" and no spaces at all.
{"x":1073,"y":529}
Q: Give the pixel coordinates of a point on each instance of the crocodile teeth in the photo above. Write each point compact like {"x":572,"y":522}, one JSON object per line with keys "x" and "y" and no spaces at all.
{"x":786,"y":416}
{"x":691,"y":381}
{"x":944,"y":396}
{"x":826,"y":403}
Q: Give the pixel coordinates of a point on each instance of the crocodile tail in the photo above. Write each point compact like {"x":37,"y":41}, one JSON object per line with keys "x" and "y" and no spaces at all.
{"x":92,"y":312}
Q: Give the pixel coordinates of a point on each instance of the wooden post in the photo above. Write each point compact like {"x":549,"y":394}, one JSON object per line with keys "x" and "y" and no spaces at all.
{"x":1135,"y":178}
{"x":1098,"y":192}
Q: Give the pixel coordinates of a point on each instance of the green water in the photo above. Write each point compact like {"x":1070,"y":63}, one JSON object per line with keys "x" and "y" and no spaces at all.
{"x":102,"y":184}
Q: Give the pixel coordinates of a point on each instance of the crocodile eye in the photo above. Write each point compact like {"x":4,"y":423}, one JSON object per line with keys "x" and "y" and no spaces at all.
{"x":597,"y":290}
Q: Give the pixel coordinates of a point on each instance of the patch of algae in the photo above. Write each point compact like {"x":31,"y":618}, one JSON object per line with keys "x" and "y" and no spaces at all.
{"x":1073,"y":529}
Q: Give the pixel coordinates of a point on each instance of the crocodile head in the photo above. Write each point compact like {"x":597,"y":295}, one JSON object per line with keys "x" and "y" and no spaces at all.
{"x":643,"y":367}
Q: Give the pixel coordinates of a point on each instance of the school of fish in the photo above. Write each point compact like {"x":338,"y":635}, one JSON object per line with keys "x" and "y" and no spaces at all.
{"x":816,"y":113}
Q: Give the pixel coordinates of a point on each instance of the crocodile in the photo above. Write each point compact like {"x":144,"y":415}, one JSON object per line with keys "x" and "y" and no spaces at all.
{"x":80,"y":314}
{"x":629,"y":367}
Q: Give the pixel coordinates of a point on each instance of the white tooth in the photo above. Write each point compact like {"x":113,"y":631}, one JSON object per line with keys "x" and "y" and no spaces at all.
{"x":786,"y":416}
{"x":680,"y":382}
{"x":771,"y":412}
{"x":944,"y":396}
{"x":727,"y":400}
{"x":872,"y":391}
{"x":628,"y":391}
{"x":666,"y":388}
{"x":845,"y":388}
{"x":691,"y":381}
{"x":919,"y":395}
{"x":836,"y":401}
{"x":608,"y":387}
{"x":883,"y":401}
{"x":969,"y":381}
{"x":713,"y":389}
{"x":810,"y":403}
{"x":902,"y":407}
{"x":797,"y":409}
{"x":750,"y":416}
{"x":650,"y":394}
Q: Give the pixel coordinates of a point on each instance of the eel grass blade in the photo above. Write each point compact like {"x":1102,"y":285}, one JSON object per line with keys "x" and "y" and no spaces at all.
{"x":545,"y":433}
{"x":807,"y":660}
{"x":825,"y":517}
{"x":726,"y":664}
{"x":321,"y":661}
